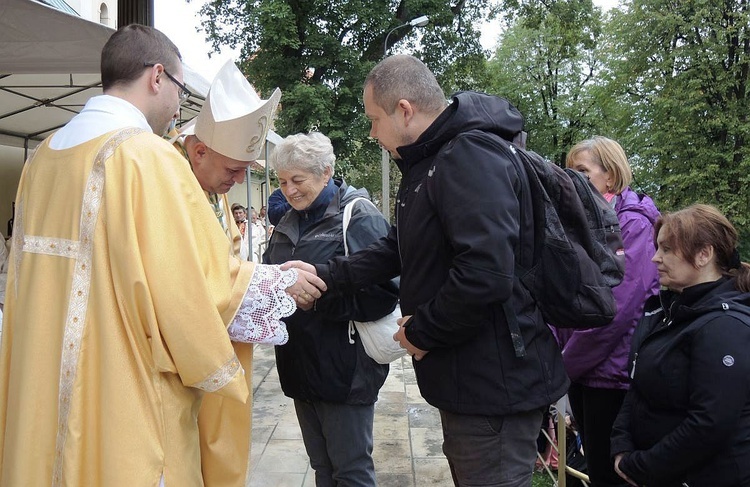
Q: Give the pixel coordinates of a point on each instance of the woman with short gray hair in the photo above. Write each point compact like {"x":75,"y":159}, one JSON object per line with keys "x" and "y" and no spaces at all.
{"x":311,"y":152}
{"x":323,"y":366}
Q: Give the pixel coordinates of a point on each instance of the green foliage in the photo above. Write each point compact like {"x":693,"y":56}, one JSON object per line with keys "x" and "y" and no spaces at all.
{"x":682,"y":70}
{"x":668,"y":79}
{"x":546,"y":65}
{"x":319,"y":53}
{"x":541,"y":479}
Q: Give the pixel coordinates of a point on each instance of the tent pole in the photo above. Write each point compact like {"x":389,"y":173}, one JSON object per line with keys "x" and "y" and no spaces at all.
{"x":248,"y":226}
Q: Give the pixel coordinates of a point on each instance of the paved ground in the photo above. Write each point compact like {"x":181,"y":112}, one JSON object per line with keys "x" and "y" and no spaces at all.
{"x":407,"y":433}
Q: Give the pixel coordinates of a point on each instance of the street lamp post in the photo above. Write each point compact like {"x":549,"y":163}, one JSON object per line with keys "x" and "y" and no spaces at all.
{"x":384,"y":157}
{"x":418,"y":22}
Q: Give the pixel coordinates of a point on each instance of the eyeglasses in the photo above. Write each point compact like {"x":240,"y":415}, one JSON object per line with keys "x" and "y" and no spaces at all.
{"x":184,"y":93}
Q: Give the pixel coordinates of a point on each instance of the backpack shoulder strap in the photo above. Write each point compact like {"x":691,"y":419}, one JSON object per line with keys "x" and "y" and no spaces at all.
{"x":515,"y":331}
{"x":529,"y":182}
{"x":726,"y":310}
{"x":528,"y":169}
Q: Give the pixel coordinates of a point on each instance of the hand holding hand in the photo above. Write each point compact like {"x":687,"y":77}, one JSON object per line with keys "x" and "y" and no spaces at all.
{"x":400,"y":337}
{"x":298,"y":264}
{"x":307,"y":289}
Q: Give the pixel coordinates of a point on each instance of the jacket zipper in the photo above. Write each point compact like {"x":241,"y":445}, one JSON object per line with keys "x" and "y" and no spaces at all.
{"x":669,"y":321}
{"x":400,"y":205}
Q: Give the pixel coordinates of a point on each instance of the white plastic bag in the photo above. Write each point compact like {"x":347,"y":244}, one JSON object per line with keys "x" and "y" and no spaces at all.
{"x":376,"y":336}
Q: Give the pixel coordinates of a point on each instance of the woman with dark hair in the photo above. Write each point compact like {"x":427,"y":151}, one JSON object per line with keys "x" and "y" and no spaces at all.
{"x":686,"y":418}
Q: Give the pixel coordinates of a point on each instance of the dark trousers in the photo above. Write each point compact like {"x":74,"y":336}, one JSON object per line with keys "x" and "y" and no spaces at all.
{"x":491,"y":451}
{"x":595,"y":411}
{"x":338,"y":440}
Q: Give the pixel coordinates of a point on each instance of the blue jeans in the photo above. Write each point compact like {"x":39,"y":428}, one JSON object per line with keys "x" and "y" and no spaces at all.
{"x":338,"y":440}
{"x":496,"y":451}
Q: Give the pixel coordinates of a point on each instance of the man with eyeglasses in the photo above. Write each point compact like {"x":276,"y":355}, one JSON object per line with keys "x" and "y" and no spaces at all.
{"x":220,"y":143}
{"x":183,"y":92}
{"x":120,"y":290}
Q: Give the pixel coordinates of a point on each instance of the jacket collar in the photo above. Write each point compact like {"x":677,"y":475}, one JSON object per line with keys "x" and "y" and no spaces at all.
{"x":467,"y":111}
{"x":703,"y":298}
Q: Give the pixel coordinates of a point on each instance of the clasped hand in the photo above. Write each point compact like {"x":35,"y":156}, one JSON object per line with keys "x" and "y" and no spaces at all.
{"x":400,"y":337}
{"x":308,"y":287}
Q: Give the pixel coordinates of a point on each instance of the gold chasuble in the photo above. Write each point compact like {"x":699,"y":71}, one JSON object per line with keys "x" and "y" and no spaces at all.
{"x":119,"y":291}
{"x":225,"y":425}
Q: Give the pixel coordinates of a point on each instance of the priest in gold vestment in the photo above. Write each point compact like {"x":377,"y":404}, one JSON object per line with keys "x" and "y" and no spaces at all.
{"x":120,"y":286}
{"x":220,"y":143}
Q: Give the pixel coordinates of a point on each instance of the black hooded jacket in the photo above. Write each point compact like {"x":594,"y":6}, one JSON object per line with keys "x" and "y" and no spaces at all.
{"x":322,"y":361}
{"x":686,"y":417}
{"x":455,"y":245}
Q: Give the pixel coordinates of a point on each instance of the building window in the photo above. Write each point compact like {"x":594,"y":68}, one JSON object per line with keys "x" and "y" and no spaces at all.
{"x":103,"y":14}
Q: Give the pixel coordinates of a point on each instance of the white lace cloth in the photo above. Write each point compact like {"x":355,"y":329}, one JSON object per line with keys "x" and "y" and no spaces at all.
{"x":264,"y":304}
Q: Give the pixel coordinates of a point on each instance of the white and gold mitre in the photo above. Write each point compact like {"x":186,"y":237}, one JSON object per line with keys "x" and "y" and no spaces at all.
{"x":234,"y":120}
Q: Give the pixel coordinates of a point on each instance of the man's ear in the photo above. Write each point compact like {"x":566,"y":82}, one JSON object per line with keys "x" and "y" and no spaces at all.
{"x":196,"y":149}
{"x":154,"y":78}
{"x":406,"y":111}
{"x":201,"y":149}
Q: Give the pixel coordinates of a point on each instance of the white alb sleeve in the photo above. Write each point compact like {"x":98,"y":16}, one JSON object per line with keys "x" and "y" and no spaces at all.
{"x":258,"y":319}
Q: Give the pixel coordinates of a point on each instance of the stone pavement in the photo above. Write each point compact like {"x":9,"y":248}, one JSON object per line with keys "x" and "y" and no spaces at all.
{"x":407,"y":433}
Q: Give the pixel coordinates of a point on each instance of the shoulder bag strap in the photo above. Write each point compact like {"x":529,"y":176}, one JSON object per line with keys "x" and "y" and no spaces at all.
{"x":348,"y":216}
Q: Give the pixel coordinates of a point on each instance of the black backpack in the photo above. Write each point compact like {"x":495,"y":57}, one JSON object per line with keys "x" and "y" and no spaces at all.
{"x":578,"y":253}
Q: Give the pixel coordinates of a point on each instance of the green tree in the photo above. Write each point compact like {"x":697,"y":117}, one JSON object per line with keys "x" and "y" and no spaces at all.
{"x":319,"y":53}
{"x":683,"y":68}
{"x":547,"y":64}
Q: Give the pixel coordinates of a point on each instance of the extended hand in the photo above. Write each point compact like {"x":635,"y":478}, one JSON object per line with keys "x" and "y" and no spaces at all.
{"x":400,"y":337}
{"x":298,"y":264}
{"x":307,"y":289}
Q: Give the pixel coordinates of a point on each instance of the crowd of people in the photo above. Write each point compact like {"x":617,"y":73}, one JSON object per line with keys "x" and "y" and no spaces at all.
{"x":135,"y":295}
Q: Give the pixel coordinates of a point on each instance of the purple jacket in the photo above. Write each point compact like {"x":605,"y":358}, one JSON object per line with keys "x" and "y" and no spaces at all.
{"x":599,"y":357}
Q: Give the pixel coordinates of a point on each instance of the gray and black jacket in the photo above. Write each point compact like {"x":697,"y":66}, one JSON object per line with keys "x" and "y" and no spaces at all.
{"x":323,"y":361}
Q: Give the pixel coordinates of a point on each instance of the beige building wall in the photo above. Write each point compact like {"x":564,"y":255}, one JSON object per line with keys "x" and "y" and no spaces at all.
{"x":258,"y":193}
{"x":101,"y":11}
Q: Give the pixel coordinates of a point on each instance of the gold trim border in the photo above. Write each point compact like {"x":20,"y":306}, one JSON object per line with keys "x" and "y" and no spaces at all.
{"x":60,"y":247}
{"x":221,"y":377}
{"x":79,"y":292}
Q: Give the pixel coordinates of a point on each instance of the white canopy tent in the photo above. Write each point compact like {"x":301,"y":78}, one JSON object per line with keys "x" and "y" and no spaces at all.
{"x":49,"y":68}
{"x":36,"y":38}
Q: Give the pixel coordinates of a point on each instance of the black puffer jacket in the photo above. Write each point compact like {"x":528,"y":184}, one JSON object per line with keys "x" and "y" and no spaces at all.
{"x":455,"y":246}
{"x":319,"y":363}
{"x":686,"y":417}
